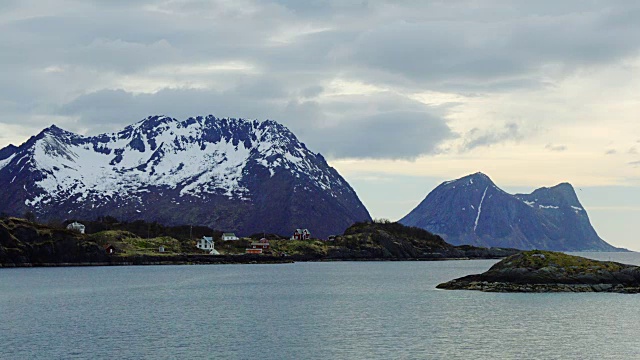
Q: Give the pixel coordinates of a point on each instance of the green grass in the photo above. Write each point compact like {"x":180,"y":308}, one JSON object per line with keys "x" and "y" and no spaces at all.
{"x":537,"y":259}
{"x":300,"y":247}
{"x":130,"y":244}
{"x":232,"y":247}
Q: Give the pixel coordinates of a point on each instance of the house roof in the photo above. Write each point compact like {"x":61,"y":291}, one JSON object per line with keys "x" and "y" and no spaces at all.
{"x":228,"y":234}
{"x":208,"y":238}
{"x":259,"y":243}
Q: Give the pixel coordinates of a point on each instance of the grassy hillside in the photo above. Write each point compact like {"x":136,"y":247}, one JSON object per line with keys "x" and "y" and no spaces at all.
{"x":25,"y":242}
{"x":551,"y":260}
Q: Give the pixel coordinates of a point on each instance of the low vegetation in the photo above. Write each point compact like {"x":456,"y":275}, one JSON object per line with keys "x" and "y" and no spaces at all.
{"x":302,"y":247}
{"x":127,"y":243}
{"x":539,"y":259}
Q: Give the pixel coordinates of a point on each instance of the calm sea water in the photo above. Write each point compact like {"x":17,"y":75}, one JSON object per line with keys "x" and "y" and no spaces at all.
{"x":339,"y":310}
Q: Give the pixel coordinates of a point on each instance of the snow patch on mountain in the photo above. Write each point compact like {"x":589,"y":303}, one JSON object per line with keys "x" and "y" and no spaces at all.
{"x":475,"y":226}
{"x":6,"y":161}
{"x":548,"y":207}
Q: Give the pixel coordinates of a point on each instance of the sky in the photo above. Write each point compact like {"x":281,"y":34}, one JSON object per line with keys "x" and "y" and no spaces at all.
{"x":397,"y":95}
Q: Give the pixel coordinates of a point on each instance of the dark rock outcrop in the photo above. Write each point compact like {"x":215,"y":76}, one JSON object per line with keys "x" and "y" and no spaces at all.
{"x":24,"y":243}
{"x":373,"y":240}
{"x":546,"y":271}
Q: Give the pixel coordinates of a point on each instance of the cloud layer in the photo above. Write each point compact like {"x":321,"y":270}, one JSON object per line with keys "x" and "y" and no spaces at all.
{"x":349,"y":77}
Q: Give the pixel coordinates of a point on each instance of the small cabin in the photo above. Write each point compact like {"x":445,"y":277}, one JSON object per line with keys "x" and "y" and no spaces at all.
{"x":301,"y":234}
{"x":109,"y":249}
{"x":76,"y":226}
{"x":161,"y":249}
{"x":229,"y":237}
{"x":254,"y":251}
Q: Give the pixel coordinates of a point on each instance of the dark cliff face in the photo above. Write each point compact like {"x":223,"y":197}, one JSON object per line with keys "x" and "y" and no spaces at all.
{"x":7,"y":151}
{"x":473,"y":210}
{"x":228,"y":174}
{"x":22,"y":242}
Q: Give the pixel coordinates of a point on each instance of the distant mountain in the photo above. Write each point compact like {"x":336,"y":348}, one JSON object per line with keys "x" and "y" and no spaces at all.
{"x":474,"y":211}
{"x":228,"y":174}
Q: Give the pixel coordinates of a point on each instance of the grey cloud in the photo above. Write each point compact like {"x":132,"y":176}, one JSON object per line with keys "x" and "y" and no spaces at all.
{"x":386,"y":132}
{"x":428,"y":51}
{"x":405,"y":46}
{"x":110,"y":109}
{"x":611,"y":152}
{"x":635,"y":163}
{"x":503,"y":49}
{"x":312,"y":91}
{"x":7,"y":5}
{"x":557,"y":148}
{"x":395,"y":135}
{"x":479,"y":138}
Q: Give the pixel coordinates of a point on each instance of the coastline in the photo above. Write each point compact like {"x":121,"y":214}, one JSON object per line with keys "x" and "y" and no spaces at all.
{"x":150,"y":260}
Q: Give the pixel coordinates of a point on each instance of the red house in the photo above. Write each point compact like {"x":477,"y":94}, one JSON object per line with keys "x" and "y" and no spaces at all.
{"x":109,"y":249}
{"x":301,"y":234}
{"x":258,"y":247}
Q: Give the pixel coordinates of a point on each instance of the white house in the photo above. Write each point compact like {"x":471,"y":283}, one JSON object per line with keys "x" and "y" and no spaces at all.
{"x":229,"y":236}
{"x":206,"y":244}
{"x":301,"y":234}
{"x":76,"y":226}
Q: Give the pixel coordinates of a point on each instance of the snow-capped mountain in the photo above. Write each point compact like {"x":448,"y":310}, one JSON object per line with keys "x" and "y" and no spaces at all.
{"x":229,"y":174}
{"x":473,"y":210}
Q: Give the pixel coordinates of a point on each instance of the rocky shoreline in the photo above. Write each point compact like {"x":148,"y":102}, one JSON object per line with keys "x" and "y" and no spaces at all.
{"x":542,"y":288}
{"x":547,"y":271}
{"x":160,"y":260}
{"x":216,"y":260}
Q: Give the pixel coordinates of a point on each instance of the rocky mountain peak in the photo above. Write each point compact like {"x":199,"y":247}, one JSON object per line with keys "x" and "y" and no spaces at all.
{"x":473,"y":210}
{"x":561,"y":195}
{"x":473,"y":180}
{"x":8,"y":151}
{"x":232,"y":174}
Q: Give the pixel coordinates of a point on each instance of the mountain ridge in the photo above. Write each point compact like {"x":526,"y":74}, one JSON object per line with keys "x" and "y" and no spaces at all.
{"x":473,"y":210}
{"x":235,"y":174}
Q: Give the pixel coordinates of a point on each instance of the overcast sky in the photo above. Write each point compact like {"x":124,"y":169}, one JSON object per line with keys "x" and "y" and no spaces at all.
{"x":398,"y":95}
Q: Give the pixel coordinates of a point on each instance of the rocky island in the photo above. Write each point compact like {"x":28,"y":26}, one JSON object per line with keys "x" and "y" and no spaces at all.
{"x":547,"y":271}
